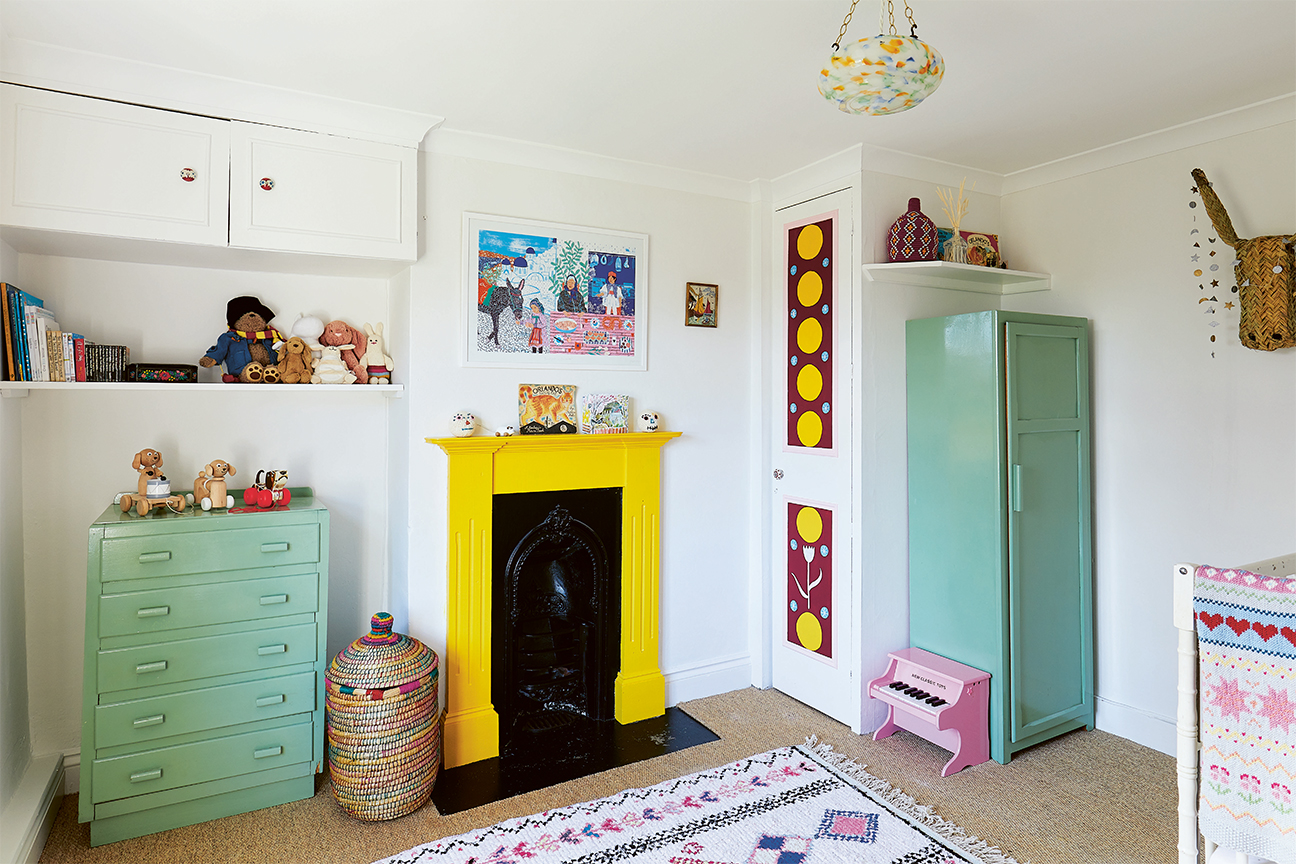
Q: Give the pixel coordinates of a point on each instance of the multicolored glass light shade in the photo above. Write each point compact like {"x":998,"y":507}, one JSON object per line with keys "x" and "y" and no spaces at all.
{"x":882,"y":75}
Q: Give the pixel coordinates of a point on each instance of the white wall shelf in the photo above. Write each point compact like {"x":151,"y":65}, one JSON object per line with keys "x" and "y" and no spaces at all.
{"x":958,"y":277}
{"x":21,"y":388}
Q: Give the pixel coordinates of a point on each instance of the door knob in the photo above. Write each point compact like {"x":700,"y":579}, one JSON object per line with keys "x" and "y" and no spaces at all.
{"x":778,"y":473}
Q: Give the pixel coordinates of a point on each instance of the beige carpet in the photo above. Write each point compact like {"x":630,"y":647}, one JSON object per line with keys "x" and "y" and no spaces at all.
{"x":1083,"y":798}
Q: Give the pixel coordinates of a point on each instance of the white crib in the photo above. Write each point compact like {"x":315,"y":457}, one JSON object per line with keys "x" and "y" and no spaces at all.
{"x":1188,"y":743}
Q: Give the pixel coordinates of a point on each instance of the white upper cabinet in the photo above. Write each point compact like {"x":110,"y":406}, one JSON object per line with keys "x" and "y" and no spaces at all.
{"x":86,"y":166}
{"x":304,"y":192}
{"x":96,"y":167}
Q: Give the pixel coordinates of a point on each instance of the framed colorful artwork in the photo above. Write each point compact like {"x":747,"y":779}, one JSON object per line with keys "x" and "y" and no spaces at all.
{"x":809,"y":598}
{"x":541,"y":294}
{"x":603,"y":414}
{"x":810,"y":298}
{"x":547,"y":409}
{"x":701,"y":304}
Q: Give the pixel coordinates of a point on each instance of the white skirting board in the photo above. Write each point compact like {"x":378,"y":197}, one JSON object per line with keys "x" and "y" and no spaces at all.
{"x":708,"y":679}
{"x":1135,"y":724}
{"x":26,"y":820}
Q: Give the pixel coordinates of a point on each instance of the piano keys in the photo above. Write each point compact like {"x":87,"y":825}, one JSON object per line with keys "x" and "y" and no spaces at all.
{"x":938,"y":699}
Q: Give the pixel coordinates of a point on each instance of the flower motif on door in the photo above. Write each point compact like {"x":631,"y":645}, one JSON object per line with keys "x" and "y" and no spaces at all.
{"x":809,"y":581}
{"x":810,"y":301}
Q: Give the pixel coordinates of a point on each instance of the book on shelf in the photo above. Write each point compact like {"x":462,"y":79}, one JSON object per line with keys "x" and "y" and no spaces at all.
{"x":78,"y":357}
{"x":18,"y":302}
{"x":39,"y":320}
{"x":106,"y":362}
{"x":54,"y":355}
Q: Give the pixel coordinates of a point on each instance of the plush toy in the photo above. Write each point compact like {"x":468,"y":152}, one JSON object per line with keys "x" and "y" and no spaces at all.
{"x":296,"y":361}
{"x":248,"y":348}
{"x":330,"y":369}
{"x":309,"y":328}
{"x":377,"y":363}
{"x":346,"y":337}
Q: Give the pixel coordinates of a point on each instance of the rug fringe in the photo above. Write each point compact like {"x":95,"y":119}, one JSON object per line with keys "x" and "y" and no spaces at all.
{"x":850,"y":768}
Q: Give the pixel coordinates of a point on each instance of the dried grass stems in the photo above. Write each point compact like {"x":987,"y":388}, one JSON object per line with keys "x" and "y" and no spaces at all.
{"x":955,"y":208}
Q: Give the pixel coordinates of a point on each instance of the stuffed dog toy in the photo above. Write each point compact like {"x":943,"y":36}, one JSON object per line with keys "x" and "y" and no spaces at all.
{"x":296,"y":362}
{"x":210,"y":489}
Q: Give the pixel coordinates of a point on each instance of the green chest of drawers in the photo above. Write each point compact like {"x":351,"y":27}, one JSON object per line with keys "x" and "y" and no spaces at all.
{"x":204,"y":665}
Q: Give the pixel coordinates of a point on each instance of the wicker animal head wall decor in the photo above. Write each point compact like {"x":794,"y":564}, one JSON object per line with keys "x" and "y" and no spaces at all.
{"x":1266,"y":278}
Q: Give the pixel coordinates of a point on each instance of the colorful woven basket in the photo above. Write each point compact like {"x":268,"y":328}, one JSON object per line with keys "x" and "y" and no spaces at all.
{"x":384,"y":738}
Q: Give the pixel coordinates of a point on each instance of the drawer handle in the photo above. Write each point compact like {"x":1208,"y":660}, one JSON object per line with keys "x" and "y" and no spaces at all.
{"x":149,"y":721}
{"x":150,"y":557}
{"x":141,"y":776}
{"x":274,"y":547}
{"x":158,"y":666}
{"x":267,"y":752}
{"x":272,"y":599}
{"x":153,"y":612}
{"x":269,"y":700}
{"x":272,"y":649}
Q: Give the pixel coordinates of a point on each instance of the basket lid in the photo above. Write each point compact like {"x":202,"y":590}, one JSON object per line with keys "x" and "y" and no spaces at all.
{"x":381,"y":659}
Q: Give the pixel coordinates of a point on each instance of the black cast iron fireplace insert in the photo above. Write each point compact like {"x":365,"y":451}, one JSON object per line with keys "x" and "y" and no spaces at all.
{"x":555,"y":652}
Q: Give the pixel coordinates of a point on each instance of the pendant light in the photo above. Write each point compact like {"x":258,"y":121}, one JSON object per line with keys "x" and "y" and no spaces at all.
{"x":885,"y":74}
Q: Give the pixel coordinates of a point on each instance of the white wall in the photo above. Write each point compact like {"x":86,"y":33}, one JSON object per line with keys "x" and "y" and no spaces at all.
{"x":77,"y":447}
{"x":15,"y":735}
{"x":1194,"y":442}
{"x":697,"y":379}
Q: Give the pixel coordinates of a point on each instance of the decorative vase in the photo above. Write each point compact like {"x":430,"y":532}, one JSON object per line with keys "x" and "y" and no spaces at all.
{"x":956,"y":249}
{"x":912,"y":236}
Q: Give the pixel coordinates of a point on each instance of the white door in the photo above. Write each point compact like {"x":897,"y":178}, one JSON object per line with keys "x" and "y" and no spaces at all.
{"x":71,"y":163}
{"x":298,"y":191}
{"x":815,"y":656}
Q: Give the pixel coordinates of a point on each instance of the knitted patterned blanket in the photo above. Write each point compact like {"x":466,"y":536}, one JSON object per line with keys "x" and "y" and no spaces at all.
{"x":1246,"y":633}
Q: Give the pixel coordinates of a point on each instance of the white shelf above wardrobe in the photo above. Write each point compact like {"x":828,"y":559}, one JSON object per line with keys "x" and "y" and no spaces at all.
{"x":958,"y":277}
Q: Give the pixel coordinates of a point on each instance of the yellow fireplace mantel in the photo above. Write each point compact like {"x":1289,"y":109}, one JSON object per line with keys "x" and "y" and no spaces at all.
{"x":480,"y":468}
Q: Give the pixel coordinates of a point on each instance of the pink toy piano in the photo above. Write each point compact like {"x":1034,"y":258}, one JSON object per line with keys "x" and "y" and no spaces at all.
{"x":940,"y":700}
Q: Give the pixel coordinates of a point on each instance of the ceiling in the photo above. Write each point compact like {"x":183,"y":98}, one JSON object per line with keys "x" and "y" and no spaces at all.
{"x":725,"y":87}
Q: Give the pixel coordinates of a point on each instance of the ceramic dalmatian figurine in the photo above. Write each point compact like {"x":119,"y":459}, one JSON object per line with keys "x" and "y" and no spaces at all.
{"x":648,"y":421}
{"x":463,"y":424}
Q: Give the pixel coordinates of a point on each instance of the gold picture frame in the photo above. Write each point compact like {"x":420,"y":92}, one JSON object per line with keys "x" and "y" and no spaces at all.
{"x":701,"y":304}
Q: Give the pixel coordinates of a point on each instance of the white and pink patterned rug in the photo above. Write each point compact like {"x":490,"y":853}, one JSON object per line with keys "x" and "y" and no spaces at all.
{"x":795,"y":805}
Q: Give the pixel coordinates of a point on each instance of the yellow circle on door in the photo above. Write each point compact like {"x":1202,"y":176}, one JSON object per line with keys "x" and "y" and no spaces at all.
{"x":809,"y":429}
{"x":809,"y":631}
{"x":809,"y":288}
{"x":809,"y":524}
{"x":809,"y":241}
{"x":809,"y":336}
{"x":809,"y":382}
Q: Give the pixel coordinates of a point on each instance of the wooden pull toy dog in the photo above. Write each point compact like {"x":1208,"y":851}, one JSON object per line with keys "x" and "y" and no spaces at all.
{"x":153,"y":489}
{"x":210,"y":489}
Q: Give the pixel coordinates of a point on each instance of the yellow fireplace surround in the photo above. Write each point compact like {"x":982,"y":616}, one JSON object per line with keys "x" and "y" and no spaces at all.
{"x":480,"y":468}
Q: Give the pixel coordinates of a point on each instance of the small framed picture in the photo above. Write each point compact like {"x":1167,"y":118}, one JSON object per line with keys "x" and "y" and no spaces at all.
{"x":700,"y":304}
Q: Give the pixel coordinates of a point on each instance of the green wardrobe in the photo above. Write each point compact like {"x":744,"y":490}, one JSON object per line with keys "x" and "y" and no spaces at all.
{"x":1000,"y":551}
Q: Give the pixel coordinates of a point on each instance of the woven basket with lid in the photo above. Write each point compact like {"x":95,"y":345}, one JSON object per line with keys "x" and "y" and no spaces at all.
{"x":384,"y":741}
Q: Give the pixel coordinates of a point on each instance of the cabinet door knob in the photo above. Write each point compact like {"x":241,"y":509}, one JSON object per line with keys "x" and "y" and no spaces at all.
{"x":778,"y":473}
{"x":267,"y":184}
{"x":188,"y":174}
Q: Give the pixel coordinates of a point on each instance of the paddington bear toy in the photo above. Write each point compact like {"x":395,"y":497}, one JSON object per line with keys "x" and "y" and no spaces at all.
{"x":248,"y":348}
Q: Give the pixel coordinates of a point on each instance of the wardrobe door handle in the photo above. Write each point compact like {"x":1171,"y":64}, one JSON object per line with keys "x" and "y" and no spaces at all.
{"x":157,"y":666}
{"x":272,"y":599}
{"x":153,"y":612}
{"x":141,"y":776}
{"x":1015,"y":492}
{"x":274,"y":547}
{"x":265,"y":701}
{"x":266,"y":650}
{"x":266,"y":752}
{"x":152,"y":557}
{"x":149,"y":721}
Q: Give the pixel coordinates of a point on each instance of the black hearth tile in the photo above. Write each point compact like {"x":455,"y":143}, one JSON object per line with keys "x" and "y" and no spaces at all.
{"x":538,"y":760}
